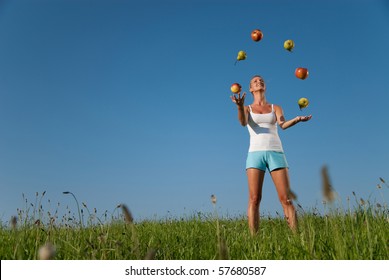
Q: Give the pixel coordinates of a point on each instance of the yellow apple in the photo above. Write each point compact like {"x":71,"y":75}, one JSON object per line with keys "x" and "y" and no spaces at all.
{"x":303,"y":102}
{"x":236,"y":88}
{"x":288,"y":45}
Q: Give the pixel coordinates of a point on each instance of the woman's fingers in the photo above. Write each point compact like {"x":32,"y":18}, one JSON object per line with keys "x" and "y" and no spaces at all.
{"x":238,"y":99}
{"x":306,"y":118}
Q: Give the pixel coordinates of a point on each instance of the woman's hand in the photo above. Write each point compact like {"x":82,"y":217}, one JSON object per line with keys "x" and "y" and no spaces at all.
{"x":304,"y":118}
{"x":238,"y":99}
{"x":242,"y":112}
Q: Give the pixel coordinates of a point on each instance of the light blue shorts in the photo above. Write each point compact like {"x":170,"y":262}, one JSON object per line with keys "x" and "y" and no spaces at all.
{"x":266,"y":159}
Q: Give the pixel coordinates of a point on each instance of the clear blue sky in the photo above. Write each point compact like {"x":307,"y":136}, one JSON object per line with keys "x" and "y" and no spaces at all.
{"x":128,"y":101}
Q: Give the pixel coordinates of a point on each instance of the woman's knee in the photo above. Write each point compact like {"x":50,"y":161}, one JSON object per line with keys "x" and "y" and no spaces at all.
{"x":285,"y":200}
{"x":255,"y":200}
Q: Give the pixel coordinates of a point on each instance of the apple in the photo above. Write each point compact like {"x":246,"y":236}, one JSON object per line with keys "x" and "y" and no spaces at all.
{"x":301,"y":73}
{"x":256,"y":35}
{"x":303,"y":102}
{"x":288,"y":45}
{"x":241,"y":56}
{"x":236,"y":88}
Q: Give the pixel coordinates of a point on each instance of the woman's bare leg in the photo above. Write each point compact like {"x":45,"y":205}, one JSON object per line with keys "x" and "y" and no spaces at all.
{"x":281,"y":181}
{"x":255,"y":181}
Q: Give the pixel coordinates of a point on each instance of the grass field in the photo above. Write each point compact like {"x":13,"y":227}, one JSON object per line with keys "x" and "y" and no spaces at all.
{"x":358,"y":233}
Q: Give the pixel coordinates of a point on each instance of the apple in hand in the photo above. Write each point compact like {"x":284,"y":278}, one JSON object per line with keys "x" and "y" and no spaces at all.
{"x":256,"y":35}
{"x":236,"y":88}
{"x":301,"y":73}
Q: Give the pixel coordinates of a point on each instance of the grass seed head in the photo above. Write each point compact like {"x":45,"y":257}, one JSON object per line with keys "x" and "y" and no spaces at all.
{"x":223,"y":250}
{"x":213,"y":199}
{"x":328,"y":192}
{"x":47,"y":252}
{"x":150,"y":255}
{"x":291,"y":195}
{"x":127,"y":214}
{"x":14,"y":222}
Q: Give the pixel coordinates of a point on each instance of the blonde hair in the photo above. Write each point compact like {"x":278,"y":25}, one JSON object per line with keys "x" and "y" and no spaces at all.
{"x":256,"y":76}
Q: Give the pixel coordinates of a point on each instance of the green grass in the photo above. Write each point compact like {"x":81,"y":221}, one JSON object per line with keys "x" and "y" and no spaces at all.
{"x":361,"y":233}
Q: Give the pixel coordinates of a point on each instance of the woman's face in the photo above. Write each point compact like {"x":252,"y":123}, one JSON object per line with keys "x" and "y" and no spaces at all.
{"x":257,"y":84}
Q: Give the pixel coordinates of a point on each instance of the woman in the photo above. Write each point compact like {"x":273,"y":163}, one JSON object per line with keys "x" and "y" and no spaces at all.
{"x":265,"y":151}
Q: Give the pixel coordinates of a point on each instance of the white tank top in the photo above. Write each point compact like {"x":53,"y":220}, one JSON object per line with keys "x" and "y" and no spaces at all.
{"x":263,"y":132}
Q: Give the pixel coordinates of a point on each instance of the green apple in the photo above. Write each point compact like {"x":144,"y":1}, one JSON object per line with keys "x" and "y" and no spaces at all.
{"x":303,"y":102}
{"x":288,"y":45}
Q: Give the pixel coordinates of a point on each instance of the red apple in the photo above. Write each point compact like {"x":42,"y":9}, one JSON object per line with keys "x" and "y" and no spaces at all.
{"x":301,"y":73}
{"x":236,"y":88}
{"x":256,"y":35}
